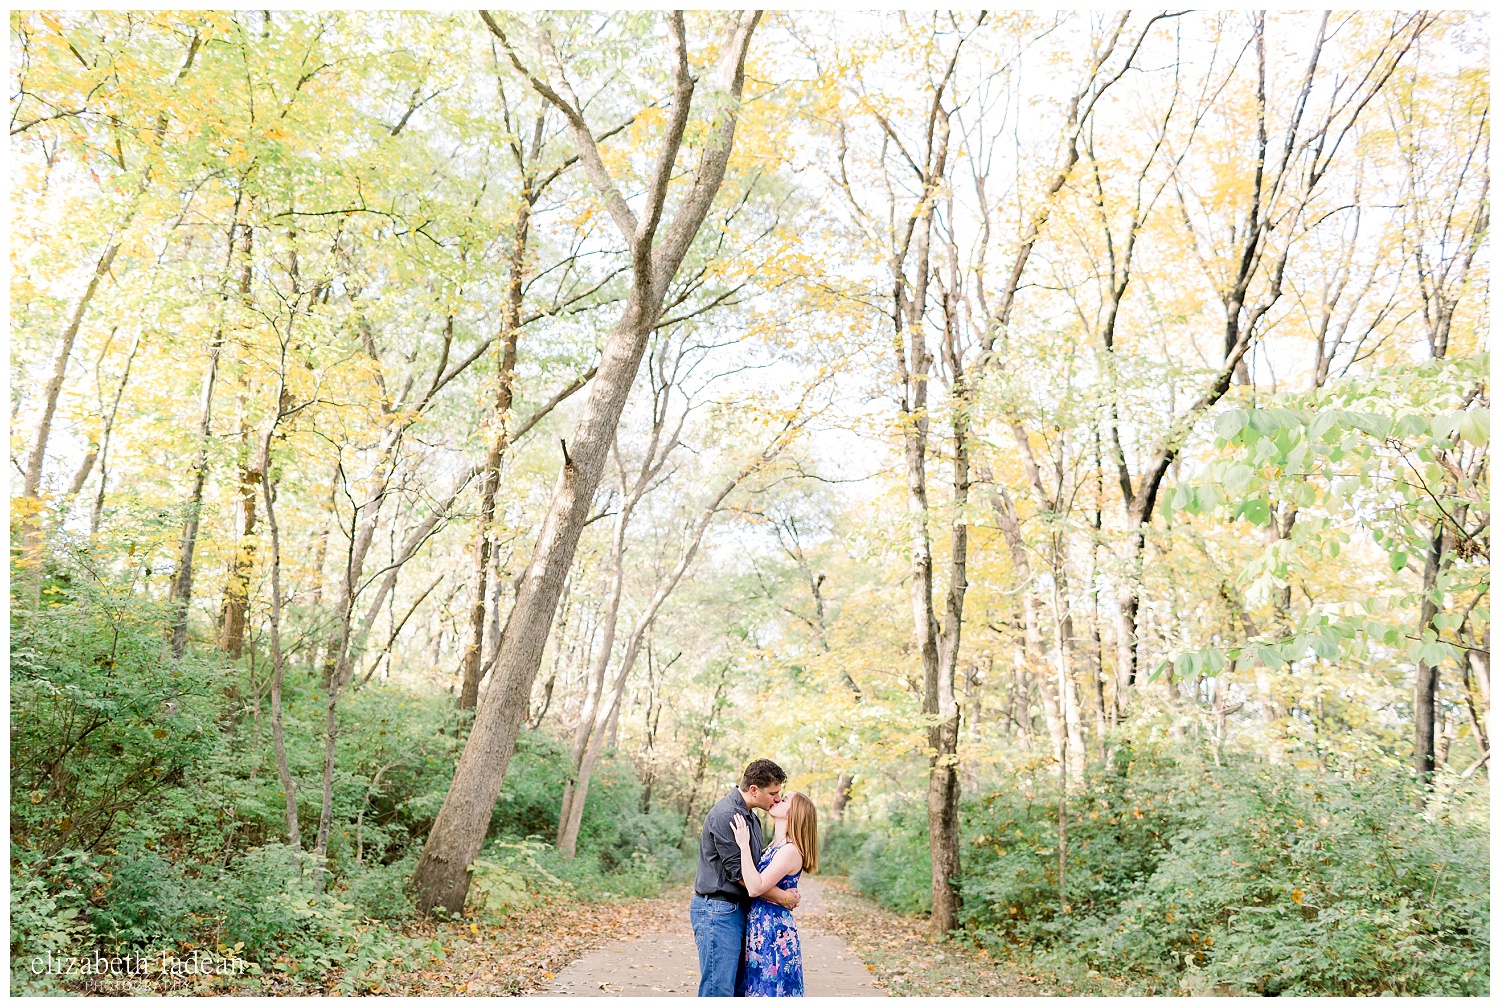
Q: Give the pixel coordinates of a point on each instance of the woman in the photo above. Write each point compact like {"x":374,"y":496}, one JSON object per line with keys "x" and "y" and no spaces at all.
{"x":773,"y":955}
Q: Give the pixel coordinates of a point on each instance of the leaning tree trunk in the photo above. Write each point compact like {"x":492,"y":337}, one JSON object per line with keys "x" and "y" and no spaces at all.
{"x":96,"y":511}
{"x":30,"y":504}
{"x":442,"y":875}
{"x":575,"y":789}
{"x":583,"y":733}
{"x":657,"y":452}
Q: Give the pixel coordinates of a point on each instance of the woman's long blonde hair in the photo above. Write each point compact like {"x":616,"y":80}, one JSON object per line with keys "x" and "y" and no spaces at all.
{"x":802,"y":829}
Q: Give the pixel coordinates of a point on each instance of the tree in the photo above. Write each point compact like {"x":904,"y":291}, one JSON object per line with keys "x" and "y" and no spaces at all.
{"x":30,"y":504}
{"x":442,"y":876}
{"x":1446,"y":214}
{"x":1248,"y":272}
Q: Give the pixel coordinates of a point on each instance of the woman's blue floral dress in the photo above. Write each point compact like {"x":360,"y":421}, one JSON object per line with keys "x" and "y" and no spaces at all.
{"x":773,"y":955}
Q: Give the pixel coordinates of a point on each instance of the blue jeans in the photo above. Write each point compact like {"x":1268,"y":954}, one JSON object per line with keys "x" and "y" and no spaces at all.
{"x":719,"y":929}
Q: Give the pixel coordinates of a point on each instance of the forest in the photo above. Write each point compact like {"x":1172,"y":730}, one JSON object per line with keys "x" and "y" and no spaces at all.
{"x":446,"y":446}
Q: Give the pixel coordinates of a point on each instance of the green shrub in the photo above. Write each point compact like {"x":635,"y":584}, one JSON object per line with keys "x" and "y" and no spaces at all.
{"x":584,"y":876}
{"x":48,"y":913}
{"x":162,"y":769}
{"x":840,"y":848}
{"x":380,"y":891}
{"x":531,"y":798}
{"x":1246,"y":877}
{"x":894,"y":865}
{"x":1118,"y":829}
{"x":107,"y":721}
{"x":269,"y":903}
{"x":620,"y":850}
{"x":145,"y":905}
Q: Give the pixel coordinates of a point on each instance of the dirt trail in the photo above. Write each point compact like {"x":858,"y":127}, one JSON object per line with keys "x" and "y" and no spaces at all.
{"x":665,"y":963}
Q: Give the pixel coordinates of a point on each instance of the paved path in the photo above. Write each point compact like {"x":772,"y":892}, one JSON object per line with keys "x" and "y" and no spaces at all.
{"x":666,"y":963}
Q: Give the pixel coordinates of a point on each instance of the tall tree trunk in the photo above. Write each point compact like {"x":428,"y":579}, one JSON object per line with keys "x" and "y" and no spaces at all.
{"x":583,"y":732}
{"x":181,"y":595}
{"x":1072,"y":717}
{"x":1126,"y":644}
{"x":237,"y":585}
{"x":1035,"y":652}
{"x":182,"y":583}
{"x":30,"y":505}
{"x":565,"y":610}
{"x":442,"y":875}
{"x":1424,"y":707}
{"x":1102,"y":710}
{"x":242,"y":564}
{"x":504,"y":397}
{"x":337,"y":663}
{"x":278,"y":659}
{"x":1479,"y":661}
{"x":337,"y":666}
{"x":320,"y":560}
{"x":943,"y":779}
{"x":325,"y":812}
{"x":1037,"y":660}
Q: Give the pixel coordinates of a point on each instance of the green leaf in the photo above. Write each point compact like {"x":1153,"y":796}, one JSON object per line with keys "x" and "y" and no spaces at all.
{"x":1433,"y":654}
{"x":1412,"y":425}
{"x":1372,"y":423}
{"x":1237,"y":479}
{"x":1267,"y":654}
{"x":1256,"y":511}
{"x":1446,"y":424}
{"x":1230,"y":423}
{"x":1474,"y":426}
{"x":1326,"y":645}
{"x":1322,"y":424}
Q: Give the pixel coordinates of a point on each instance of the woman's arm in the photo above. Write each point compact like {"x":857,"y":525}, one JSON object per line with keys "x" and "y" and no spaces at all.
{"x":786,"y":861}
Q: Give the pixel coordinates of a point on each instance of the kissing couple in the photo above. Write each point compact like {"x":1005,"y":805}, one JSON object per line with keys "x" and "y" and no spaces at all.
{"x":746,"y":888}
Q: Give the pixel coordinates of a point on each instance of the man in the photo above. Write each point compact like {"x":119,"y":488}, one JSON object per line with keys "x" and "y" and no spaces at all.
{"x":720,"y":901}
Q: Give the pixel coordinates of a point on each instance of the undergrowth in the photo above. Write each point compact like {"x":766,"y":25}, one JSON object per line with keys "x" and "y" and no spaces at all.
{"x":1184,"y":876}
{"x":147,"y":814}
